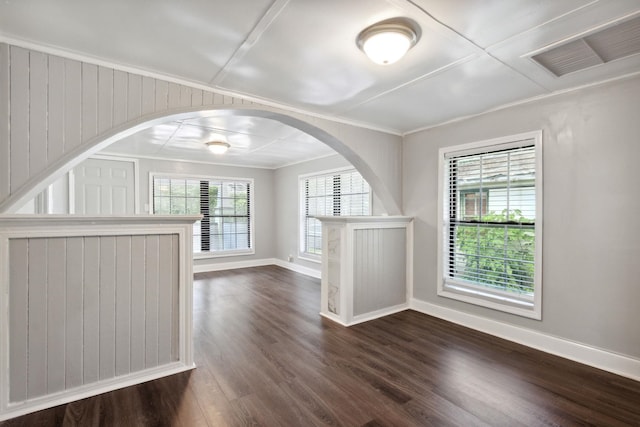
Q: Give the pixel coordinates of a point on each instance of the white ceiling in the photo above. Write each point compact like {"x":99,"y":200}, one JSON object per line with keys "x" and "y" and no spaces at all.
{"x":255,"y":142}
{"x":473,"y":56}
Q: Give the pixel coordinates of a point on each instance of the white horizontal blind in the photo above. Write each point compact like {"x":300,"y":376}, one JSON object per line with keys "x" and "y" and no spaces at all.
{"x":229,"y":214}
{"x":490,"y":224}
{"x":224,"y":204}
{"x":343,"y":193}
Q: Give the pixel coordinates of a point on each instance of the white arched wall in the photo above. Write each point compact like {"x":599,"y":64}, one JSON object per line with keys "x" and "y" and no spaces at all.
{"x":55,"y":112}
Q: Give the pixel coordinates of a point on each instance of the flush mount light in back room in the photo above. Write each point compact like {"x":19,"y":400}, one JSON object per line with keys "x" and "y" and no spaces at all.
{"x":218,"y":147}
{"x":387,"y":41}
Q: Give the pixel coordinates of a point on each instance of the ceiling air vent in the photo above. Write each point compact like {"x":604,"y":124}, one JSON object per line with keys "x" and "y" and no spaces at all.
{"x":615,"y":42}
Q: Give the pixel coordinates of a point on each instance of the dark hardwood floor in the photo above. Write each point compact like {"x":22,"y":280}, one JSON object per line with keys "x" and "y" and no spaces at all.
{"x":265,"y":357}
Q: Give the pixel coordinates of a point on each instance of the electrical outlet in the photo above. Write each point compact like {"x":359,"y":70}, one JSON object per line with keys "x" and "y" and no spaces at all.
{"x":290,"y":258}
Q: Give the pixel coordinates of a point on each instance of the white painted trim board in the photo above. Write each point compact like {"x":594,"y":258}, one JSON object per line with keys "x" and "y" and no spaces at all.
{"x":615,"y":363}
{"x":203,"y":268}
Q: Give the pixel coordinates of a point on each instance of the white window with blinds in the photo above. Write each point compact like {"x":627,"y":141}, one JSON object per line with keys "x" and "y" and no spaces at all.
{"x":226,"y":205}
{"x":490,"y":244}
{"x":330,"y":193}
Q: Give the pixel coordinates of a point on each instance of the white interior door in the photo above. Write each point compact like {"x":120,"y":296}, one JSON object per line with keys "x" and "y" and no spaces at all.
{"x":105,"y":187}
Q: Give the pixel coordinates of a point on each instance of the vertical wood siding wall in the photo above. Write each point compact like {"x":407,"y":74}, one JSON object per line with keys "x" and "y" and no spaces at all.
{"x":53,"y":109}
{"x":57,"y":104}
{"x":379,"y":269}
{"x":365,"y":267}
{"x":88,"y":309}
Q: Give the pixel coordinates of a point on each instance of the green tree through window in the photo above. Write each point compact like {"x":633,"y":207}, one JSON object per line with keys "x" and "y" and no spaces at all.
{"x":498,"y":256}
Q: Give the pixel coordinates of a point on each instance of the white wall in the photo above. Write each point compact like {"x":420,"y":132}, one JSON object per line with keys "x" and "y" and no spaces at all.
{"x":591,"y":285}
{"x":287,"y":195}
{"x":276,"y":201}
{"x":264,"y":208}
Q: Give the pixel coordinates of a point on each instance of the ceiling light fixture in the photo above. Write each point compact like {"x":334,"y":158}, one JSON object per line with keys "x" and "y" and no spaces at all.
{"x":388,"y":41}
{"x":218,"y":147}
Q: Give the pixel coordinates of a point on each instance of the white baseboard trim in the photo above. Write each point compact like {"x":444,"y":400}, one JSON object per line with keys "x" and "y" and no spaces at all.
{"x":82,"y":392}
{"x":387,"y":311}
{"x":333,"y":318}
{"x":595,"y":357}
{"x":372,"y":315}
{"x":203,"y":268}
{"x":298,"y":268}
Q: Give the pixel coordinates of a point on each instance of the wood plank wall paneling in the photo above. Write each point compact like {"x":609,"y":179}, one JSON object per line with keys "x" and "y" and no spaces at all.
{"x":379,"y":269}
{"x":72,"y":104}
{"x":120,"y":97}
{"x":74,"y":318}
{"x":165,"y":299}
{"x":138,"y":276}
{"x":38,"y":82}
{"x":148,"y":98}
{"x":57,"y":104}
{"x":123,"y":305}
{"x":90,"y":309}
{"x":162,"y":95}
{"x":55,"y":108}
{"x":56,"y":309}
{"x":105,"y":99}
{"x":107,"y":324}
{"x":175,"y":299}
{"x":207,"y":98}
{"x":134,"y":98}
{"x":5,"y":80}
{"x":173,"y":98}
{"x":151,"y":299}
{"x":37,"y":323}
{"x":19,"y":113}
{"x":82,"y":309}
{"x":196,"y":97}
{"x":185,"y":96}
{"x":89,"y":101}
{"x":18,"y":320}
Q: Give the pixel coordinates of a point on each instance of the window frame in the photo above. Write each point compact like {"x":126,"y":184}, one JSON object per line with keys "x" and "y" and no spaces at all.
{"x":450,"y":288}
{"x":302,"y":254}
{"x":196,"y":177}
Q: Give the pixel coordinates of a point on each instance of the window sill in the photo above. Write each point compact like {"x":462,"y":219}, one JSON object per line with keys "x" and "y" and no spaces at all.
{"x":310,"y":258}
{"x":495,"y":302}
{"x":222,"y":254}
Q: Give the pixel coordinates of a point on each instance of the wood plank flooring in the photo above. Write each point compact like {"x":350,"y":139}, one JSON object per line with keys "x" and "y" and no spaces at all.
{"x":266,"y":358}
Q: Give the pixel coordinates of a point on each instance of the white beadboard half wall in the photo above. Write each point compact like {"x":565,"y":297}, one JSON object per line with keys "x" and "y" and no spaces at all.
{"x":59,"y":111}
{"x":366,"y":267}
{"x":91,"y":304}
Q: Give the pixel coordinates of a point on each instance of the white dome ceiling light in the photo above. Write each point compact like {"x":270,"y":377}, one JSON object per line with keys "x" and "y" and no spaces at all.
{"x":218,"y":147}
{"x":387,"y":41}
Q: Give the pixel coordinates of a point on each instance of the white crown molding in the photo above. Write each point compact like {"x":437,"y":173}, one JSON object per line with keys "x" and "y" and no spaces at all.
{"x":52,"y":50}
{"x":252,"y":98}
{"x":524,"y":102}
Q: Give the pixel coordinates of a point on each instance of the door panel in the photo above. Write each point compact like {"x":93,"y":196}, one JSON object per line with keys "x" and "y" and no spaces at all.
{"x":105,"y":187}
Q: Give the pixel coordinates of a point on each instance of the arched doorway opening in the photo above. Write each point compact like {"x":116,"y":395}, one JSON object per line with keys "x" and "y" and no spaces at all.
{"x":73,"y":158}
